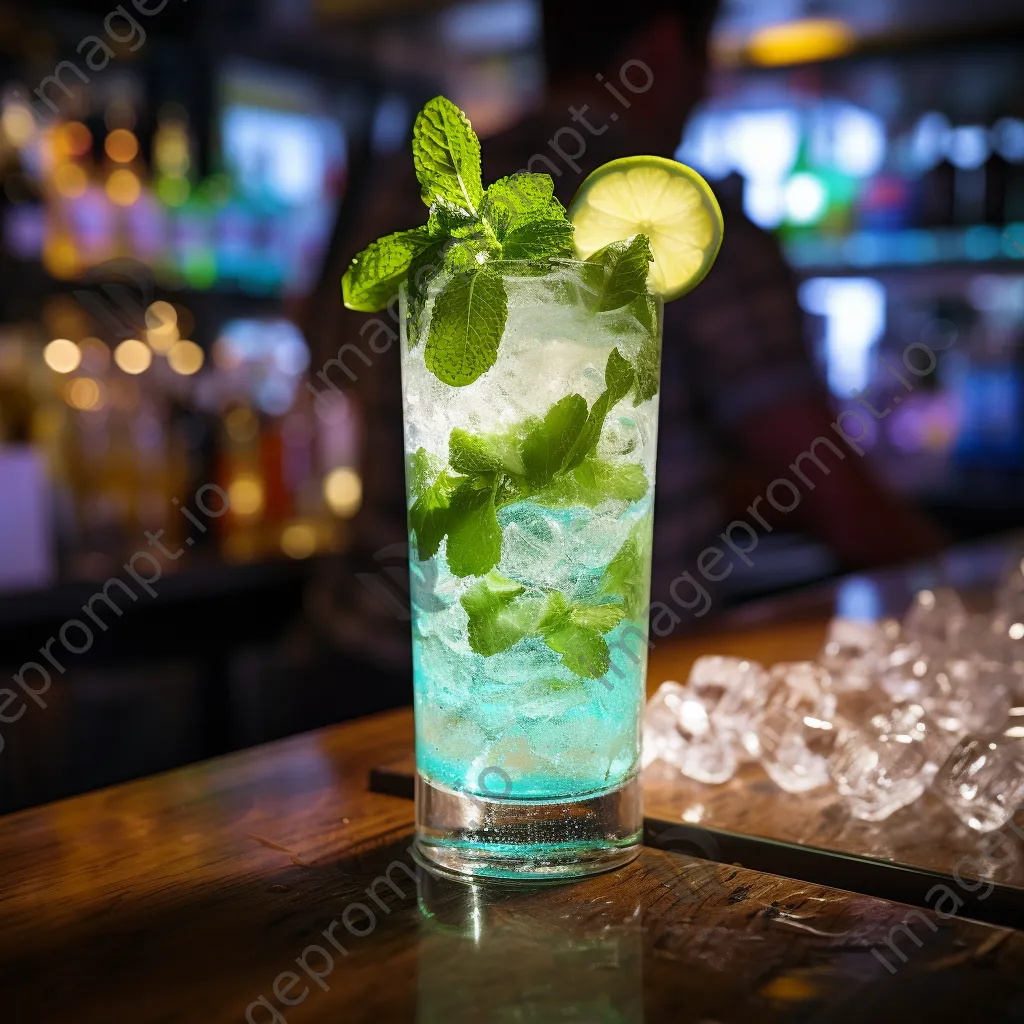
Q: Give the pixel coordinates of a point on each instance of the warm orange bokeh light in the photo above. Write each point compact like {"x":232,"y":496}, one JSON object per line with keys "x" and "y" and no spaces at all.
{"x":70,"y":180}
{"x":122,"y":146}
{"x":123,"y":188}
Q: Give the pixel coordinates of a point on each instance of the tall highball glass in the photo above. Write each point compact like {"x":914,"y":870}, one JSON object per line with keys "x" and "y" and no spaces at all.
{"x":531,"y":494}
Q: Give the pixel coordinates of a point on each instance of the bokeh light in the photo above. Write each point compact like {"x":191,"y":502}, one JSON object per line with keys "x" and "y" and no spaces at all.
{"x":298,"y":540}
{"x":174,"y":191}
{"x":242,"y":424}
{"x":121,"y":146}
{"x":159,"y":314}
{"x":186,"y":358}
{"x":133,"y":356}
{"x":18,"y":124}
{"x":162,"y":332}
{"x":70,"y":180}
{"x":76,"y":138}
{"x":123,"y":188}
{"x":343,"y":491}
{"x":800,"y":41}
{"x":60,"y":257}
{"x":246,"y":495}
{"x":62,"y":356}
{"x":84,"y":394}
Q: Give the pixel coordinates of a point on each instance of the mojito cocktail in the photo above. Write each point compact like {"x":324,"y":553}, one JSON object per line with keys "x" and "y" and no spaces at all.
{"x":531,"y":348}
{"x":530,"y":615}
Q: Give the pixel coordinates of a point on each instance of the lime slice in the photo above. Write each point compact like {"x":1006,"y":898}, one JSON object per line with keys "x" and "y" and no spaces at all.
{"x":665,"y":200}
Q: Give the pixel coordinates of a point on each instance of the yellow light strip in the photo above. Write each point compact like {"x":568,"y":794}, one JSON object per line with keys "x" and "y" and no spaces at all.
{"x":800,"y":42}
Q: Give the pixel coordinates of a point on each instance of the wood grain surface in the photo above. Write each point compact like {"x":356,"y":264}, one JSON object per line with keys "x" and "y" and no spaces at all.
{"x":213,"y":893}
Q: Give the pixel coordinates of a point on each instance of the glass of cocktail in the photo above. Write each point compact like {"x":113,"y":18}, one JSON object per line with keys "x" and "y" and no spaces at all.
{"x":530,"y":373}
{"x":530,"y":632}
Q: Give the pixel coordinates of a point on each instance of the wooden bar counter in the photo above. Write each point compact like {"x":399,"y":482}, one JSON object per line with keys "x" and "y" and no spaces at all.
{"x":275,"y":885}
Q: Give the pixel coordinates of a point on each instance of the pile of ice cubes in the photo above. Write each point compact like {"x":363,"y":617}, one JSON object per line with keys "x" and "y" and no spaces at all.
{"x":887,"y":711}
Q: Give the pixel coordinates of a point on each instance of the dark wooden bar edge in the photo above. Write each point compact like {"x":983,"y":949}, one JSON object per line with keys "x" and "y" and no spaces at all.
{"x":899,"y":883}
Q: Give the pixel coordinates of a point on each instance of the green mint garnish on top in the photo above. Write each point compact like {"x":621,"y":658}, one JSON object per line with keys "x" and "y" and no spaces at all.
{"x":468,"y":228}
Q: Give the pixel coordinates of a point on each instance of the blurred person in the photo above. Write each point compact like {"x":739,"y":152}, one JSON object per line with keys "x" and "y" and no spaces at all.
{"x":738,"y":383}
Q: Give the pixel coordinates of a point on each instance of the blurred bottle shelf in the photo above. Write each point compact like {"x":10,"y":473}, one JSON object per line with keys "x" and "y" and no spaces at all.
{"x":210,"y":582}
{"x":985,"y":245}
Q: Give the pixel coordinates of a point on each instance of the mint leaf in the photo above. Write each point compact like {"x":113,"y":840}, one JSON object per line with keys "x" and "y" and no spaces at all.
{"x":466,"y":255}
{"x":449,"y":221}
{"x":627,"y":265}
{"x":576,"y":633}
{"x":549,"y":442}
{"x":601,"y":618}
{"x":373,"y":278}
{"x":593,"y":482}
{"x":526,"y":218}
{"x":583,"y":651}
{"x":466,"y":327}
{"x":483,"y":453}
{"x":545,"y":238}
{"x":431,"y":514}
{"x":474,"y":534}
{"x":422,"y":271}
{"x":446,"y":153}
{"x":618,"y":377}
{"x":619,"y":380}
{"x":511,"y":487}
{"x":420,"y":468}
{"x":490,"y":595}
{"x":626,"y":575}
{"x":520,"y":199}
{"x":647,"y":311}
{"x":496,"y":622}
{"x":556,"y":613}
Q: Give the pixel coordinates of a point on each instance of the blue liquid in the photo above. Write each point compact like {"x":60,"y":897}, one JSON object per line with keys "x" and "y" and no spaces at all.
{"x":520,"y":725}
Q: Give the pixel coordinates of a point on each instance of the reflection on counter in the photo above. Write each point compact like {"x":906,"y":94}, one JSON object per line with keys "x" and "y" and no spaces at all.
{"x":566,"y":967}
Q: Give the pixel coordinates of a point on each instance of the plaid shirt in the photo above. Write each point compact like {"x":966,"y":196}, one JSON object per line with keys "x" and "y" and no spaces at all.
{"x":732,"y":347}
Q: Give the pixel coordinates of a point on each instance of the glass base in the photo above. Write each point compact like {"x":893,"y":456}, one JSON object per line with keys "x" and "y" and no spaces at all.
{"x":527,"y":840}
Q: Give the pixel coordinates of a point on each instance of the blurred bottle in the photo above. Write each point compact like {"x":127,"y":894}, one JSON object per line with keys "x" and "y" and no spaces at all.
{"x":997,"y":180}
{"x":937,"y":196}
{"x":1014,"y":201}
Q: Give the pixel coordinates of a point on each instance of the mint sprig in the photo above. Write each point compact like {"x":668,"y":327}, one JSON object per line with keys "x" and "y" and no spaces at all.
{"x":497,"y":621}
{"x":526,"y":219}
{"x":552,"y":461}
{"x":516,"y":218}
{"x":577,"y":633}
{"x":502,"y":613}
